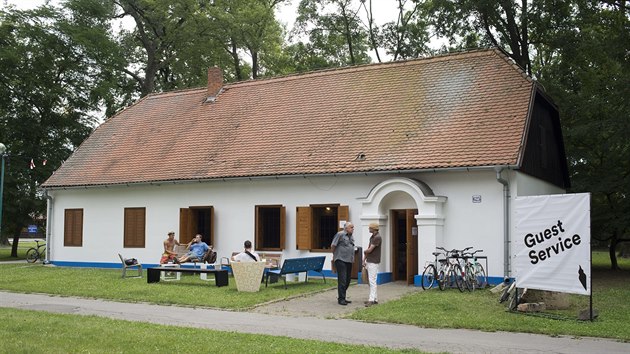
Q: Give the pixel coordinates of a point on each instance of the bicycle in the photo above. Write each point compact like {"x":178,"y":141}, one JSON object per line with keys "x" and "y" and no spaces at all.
{"x":453,"y":271}
{"x":34,"y":253}
{"x":431,"y":274}
{"x":474,"y":274}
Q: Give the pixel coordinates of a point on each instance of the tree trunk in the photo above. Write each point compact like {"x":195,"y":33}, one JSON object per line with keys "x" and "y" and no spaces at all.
{"x":612,"y":252}
{"x":16,"y":241}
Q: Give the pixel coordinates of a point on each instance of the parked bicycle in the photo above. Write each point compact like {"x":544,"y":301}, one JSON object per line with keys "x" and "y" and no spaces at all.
{"x":454,"y":275}
{"x":474,"y":274}
{"x":36,"y":253}
{"x":434,"y":273}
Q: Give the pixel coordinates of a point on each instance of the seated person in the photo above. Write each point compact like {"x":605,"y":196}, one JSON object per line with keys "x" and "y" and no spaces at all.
{"x":169,"y":249}
{"x":247,"y":255}
{"x":196,"y":250}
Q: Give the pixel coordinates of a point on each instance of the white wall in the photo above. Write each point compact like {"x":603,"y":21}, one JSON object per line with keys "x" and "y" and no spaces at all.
{"x":466,"y":223}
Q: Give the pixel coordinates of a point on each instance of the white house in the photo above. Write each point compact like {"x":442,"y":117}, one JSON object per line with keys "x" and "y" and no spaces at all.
{"x":434,"y":150}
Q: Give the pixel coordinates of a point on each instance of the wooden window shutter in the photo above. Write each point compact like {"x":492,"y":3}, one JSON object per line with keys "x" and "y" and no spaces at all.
{"x":303,"y":232}
{"x":258,"y":227}
{"x":134,"y":227}
{"x":343,"y":213}
{"x":185,"y":232}
{"x":73,"y":227}
{"x":283,"y":212}
{"x":211,"y":227}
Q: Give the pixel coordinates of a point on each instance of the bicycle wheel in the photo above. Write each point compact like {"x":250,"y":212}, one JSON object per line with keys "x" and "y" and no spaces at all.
{"x":469,"y":278}
{"x":441,"y":280}
{"x":480,"y":276}
{"x":456,"y":275}
{"x":32,"y":255}
{"x":428,"y":277}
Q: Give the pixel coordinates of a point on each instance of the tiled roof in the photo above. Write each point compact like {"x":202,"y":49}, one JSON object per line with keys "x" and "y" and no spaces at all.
{"x":456,"y":110}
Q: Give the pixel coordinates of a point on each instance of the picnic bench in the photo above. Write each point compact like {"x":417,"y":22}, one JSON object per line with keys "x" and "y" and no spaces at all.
{"x":297,"y":265}
{"x":220,"y":275}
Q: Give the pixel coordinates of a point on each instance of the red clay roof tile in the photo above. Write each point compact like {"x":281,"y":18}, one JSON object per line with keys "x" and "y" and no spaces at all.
{"x":457,"y":110}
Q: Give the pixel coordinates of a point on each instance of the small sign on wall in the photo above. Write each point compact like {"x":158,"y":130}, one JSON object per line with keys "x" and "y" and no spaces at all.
{"x":342,"y":224}
{"x":476,"y":199}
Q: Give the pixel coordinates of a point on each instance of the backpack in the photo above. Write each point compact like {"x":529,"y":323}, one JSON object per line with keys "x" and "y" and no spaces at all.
{"x":131,"y":261}
{"x":210,"y":257}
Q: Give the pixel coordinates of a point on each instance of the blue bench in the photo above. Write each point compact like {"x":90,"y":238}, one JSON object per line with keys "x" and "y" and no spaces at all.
{"x":297,"y":265}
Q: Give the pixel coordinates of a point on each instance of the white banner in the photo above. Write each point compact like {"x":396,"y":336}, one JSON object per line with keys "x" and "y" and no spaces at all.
{"x":552,"y":244}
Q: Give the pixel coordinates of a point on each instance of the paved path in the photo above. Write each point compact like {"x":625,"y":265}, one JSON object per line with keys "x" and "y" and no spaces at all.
{"x":317,"y":327}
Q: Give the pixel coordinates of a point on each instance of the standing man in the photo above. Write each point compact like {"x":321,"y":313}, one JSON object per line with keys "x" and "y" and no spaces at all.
{"x":343,"y":257}
{"x":169,"y":249}
{"x":372,"y":259}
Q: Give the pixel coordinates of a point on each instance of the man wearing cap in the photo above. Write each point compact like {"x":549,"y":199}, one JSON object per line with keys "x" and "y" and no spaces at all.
{"x":169,"y":249}
{"x":371,"y":261}
{"x":343,"y":257}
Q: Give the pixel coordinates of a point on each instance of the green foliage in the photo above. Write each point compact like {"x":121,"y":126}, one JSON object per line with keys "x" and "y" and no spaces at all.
{"x":45,"y":100}
{"x":336,"y":37}
{"x":589,"y":78}
{"x":32,"y":331}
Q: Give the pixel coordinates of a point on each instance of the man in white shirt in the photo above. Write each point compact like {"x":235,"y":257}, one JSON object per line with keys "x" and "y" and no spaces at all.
{"x":247,"y":255}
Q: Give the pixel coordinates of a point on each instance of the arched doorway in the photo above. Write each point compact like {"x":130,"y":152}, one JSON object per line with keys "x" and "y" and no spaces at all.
{"x":411,"y":221}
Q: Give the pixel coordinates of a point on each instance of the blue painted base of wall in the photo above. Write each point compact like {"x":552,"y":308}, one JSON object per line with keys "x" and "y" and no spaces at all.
{"x":108,"y":265}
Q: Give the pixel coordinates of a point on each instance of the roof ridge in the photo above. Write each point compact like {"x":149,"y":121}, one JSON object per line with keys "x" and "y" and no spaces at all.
{"x":361,"y":67}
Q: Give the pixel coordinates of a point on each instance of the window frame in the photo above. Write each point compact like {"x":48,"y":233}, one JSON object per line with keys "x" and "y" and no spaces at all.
{"x":305,"y":225}
{"x":259,"y":227}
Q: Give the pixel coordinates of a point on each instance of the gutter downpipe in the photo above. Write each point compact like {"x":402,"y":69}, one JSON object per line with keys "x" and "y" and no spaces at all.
{"x":506,"y":221}
{"x":48,"y":225}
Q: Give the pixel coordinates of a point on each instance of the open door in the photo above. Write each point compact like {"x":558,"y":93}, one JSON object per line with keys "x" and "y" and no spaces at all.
{"x":404,"y":244}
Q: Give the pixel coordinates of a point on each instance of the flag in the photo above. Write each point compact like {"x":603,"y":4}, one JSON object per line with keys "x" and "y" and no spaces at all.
{"x":32,"y":165}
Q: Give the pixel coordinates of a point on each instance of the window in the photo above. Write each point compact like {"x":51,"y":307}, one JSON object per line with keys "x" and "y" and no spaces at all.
{"x":196,"y":220}
{"x":134,"y":227}
{"x":73,"y":227}
{"x":318,"y":224}
{"x":270,"y":227}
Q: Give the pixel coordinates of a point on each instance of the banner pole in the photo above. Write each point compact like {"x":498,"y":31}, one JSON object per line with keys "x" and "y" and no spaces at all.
{"x":591,"y":286}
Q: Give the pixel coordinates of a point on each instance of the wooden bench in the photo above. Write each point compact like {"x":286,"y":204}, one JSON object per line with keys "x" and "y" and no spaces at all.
{"x":220,"y":275}
{"x":298,"y":265}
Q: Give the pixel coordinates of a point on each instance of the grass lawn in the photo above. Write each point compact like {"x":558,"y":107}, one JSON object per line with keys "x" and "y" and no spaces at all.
{"x":481,"y":310}
{"x":107,"y":284}
{"x":23,"y":246}
{"x":436,"y":309}
{"x":38,"y":332}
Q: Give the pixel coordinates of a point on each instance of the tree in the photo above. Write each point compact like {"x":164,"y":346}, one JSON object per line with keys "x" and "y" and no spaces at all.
{"x":338,"y":36}
{"x":502,"y":23}
{"x":169,"y":46}
{"x":408,"y":37}
{"x":248,"y":25}
{"x":47,"y":96}
{"x":589,"y":75}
